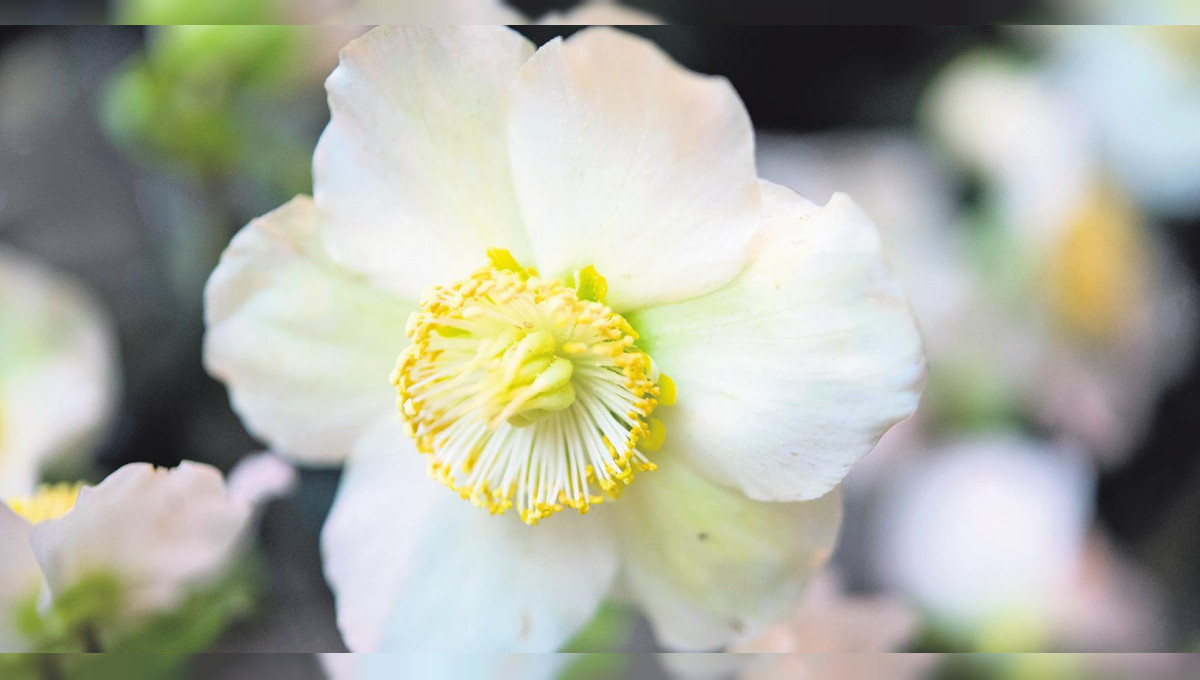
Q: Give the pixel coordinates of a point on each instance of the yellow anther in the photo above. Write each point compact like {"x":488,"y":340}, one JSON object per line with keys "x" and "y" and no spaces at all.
{"x":50,"y":501}
{"x":655,"y":437}
{"x":502,"y":259}
{"x":666,"y":390}
{"x":591,"y":285}
{"x":1099,"y":269}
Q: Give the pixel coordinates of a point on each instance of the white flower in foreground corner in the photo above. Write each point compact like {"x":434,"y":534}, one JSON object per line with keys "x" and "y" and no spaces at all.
{"x":140,"y":543}
{"x":629,"y":183}
{"x":58,"y":371}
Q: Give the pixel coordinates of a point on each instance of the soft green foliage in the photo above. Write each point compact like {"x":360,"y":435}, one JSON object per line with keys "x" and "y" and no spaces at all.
{"x":195,"y":625}
{"x":163,"y":12}
{"x":82,"y":620}
{"x":971,"y":398}
{"x":608,"y":631}
{"x":216,"y":100}
{"x":69,"y":625}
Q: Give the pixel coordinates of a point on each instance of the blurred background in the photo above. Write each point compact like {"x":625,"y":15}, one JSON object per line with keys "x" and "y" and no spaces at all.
{"x":1039,"y":194}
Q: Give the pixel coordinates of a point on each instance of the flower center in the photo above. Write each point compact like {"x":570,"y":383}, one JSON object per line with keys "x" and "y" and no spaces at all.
{"x":1098,"y":269}
{"x":527,"y":391}
{"x":50,"y":501}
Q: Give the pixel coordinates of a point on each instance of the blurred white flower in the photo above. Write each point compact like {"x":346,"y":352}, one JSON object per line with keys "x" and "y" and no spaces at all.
{"x":1095,"y":315}
{"x":155,"y":535}
{"x":1149,"y":134}
{"x":840,"y":666}
{"x":20,"y":579}
{"x":1146,"y":12}
{"x":986,"y":532}
{"x":443,"y":666}
{"x":789,"y":347}
{"x":991,"y":537}
{"x":260,"y":478}
{"x":798,"y":666}
{"x":58,"y":372}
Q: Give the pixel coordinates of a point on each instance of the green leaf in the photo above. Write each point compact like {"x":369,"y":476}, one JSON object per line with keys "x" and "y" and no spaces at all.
{"x":197,"y":623}
{"x":608,"y":631}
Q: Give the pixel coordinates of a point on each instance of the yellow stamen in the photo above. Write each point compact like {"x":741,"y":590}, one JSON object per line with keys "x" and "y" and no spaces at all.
{"x":666,"y":390}
{"x":527,"y":392}
{"x":50,"y":501}
{"x":1098,"y":269}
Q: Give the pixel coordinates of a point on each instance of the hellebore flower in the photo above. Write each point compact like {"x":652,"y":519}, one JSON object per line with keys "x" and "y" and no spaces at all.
{"x":985,"y":532}
{"x":58,"y":372}
{"x":1091,"y":316}
{"x":85,"y":568}
{"x":566,"y":263}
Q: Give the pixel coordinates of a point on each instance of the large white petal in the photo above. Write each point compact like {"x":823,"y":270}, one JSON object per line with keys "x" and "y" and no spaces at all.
{"x":789,"y":375}
{"x":306,"y":347}
{"x":415,"y":568}
{"x":161,"y":533}
{"x":59,"y":373}
{"x":20,"y":577}
{"x":413,"y":167}
{"x":710,"y":566}
{"x":624,"y":160}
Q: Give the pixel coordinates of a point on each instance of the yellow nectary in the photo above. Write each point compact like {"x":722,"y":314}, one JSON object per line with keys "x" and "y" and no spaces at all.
{"x":527,"y":391}
{"x":50,"y":501}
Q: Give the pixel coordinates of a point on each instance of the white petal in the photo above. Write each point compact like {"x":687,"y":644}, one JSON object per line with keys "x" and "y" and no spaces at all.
{"x":710,"y":566}
{"x":789,"y":375}
{"x":413,"y":167}
{"x":59,"y":374}
{"x":415,"y":568}
{"x":20,"y":577}
{"x":306,"y":348}
{"x":260,"y":478}
{"x":624,"y":160}
{"x":162,"y":533}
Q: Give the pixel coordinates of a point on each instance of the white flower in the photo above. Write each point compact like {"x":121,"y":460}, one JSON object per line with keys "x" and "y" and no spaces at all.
{"x":447,"y":666}
{"x":986,"y":535}
{"x":159,"y":535}
{"x":1150,"y":133}
{"x":1090,"y":315}
{"x":629,"y":184}
{"x":58,"y":372}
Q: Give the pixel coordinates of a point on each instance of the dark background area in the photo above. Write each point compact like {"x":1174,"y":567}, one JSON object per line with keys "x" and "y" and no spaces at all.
{"x":693,"y":12}
{"x":68,"y":196}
